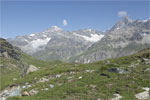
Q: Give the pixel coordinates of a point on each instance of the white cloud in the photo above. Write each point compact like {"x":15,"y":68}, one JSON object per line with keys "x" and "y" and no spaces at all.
{"x":65,"y":22}
{"x":122,"y":13}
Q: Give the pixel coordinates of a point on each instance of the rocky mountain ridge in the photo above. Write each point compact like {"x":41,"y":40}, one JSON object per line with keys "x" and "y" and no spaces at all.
{"x":12,"y":60}
{"x":124,"y":38}
{"x":56,"y":44}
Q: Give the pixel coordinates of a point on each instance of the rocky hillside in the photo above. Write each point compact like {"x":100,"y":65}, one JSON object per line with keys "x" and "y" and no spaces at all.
{"x":125,"y":78}
{"x":9,"y":51}
{"x":13,"y":63}
{"x":56,"y":44}
{"x":124,"y":38}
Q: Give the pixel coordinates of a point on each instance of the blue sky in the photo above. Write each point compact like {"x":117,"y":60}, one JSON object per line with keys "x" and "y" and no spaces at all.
{"x":26,"y":17}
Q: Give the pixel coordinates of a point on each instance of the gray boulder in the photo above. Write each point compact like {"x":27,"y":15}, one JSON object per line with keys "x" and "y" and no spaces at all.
{"x":31,"y":68}
{"x":118,"y":70}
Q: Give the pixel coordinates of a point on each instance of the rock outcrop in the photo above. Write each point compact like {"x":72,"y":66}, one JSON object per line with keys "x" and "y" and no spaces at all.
{"x":9,"y":51}
{"x":31,"y":68}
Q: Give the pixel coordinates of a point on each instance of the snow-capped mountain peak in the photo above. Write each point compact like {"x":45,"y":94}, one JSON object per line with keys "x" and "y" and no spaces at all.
{"x":32,"y":35}
{"x":39,"y":42}
{"x":55,"y":28}
{"x":123,"y":22}
{"x":91,"y":38}
{"x":145,"y":20}
{"x":89,"y":30}
{"x":126,"y":19}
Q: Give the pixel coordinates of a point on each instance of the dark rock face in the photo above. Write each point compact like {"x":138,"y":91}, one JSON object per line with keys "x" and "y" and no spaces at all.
{"x":7,"y":50}
{"x":14,"y":55}
{"x":118,"y":70}
{"x":105,"y":75}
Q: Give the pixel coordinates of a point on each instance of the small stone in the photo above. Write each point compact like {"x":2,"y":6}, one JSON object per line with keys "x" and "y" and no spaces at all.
{"x":71,"y":80}
{"x":43,"y":79}
{"x":33,"y":92}
{"x":145,"y":59}
{"x":89,"y":71}
{"x":24,"y":87}
{"x":58,"y":76}
{"x":5,"y":93}
{"x":27,"y":86}
{"x":60,"y":84}
{"x":132,"y":66}
{"x":51,"y":86}
{"x":147,"y":70}
{"x":138,"y":60}
{"x":72,"y":72}
{"x":117,"y":90}
{"x":93,"y":86}
{"x":2,"y":98}
{"x":45,"y":89}
{"x":107,"y":62}
{"x":26,"y":83}
{"x":75,"y":64}
{"x":80,"y":77}
{"x":31,"y":68}
{"x":143,"y":95}
{"x":5,"y":54}
{"x":118,"y":70}
{"x":14,"y":79}
{"x":98,"y":99}
{"x":106,"y":75}
{"x":118,"y":97}
{"x":25,"y":93}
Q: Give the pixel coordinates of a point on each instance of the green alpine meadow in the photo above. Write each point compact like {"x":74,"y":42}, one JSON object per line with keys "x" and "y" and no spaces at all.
{"x":126,"y":76}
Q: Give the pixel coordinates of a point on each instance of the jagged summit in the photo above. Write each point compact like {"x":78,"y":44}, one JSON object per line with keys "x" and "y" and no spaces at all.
{"x":125,"y":37}
{"x":54,"y":29}
{"x":126,"y":19}
{"x":123,"y":22}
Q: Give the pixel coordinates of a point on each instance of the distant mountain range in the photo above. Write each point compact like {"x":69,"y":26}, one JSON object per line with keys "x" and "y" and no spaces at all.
{"x":87,"y":45}
{"x":55,"y":44}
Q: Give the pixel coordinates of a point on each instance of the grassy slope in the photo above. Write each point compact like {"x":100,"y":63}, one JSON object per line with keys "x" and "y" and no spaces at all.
{"x":8,"y":73}
{"x":82,"y":89}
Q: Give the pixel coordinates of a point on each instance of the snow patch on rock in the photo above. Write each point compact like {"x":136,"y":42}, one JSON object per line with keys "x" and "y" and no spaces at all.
{"x":93,"y":38}
{"x":39,"y":42}
{"x":145,"y":20}
{"x":54,"y":29}
{"x":32,"y":34}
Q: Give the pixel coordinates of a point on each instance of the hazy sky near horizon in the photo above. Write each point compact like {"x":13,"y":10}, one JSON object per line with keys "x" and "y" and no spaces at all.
{"x":26,"y":17}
